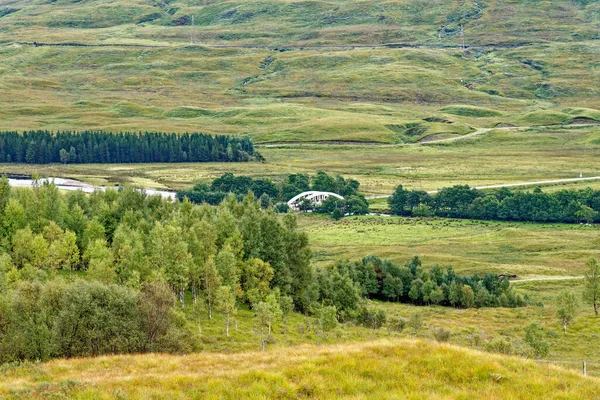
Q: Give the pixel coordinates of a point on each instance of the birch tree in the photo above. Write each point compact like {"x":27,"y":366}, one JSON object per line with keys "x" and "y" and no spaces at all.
{"x":591,"y":293}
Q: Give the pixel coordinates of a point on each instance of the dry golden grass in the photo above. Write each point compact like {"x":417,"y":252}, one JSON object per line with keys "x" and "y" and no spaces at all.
{"x":392,"y":368}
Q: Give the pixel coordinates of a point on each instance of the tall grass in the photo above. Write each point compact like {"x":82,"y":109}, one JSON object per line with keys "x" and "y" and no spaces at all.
{"x":381,"y":369}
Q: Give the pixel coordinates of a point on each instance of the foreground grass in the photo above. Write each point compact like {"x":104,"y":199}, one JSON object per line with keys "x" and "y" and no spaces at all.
{"x":399,"y":368}
{"x":580,"y":343}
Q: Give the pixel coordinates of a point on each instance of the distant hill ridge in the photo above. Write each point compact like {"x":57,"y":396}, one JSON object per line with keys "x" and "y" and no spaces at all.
{"x":282,"y":22}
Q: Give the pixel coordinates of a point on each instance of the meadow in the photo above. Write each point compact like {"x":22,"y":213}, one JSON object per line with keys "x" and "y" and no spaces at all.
{"x":494,"y":157}
{"x":382,"y":369}
{"x":524,"y":249}
{"x":354,"y":88}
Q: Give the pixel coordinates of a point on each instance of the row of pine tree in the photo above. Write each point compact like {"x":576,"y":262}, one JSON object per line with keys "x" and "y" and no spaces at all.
{"x":45,"y":147}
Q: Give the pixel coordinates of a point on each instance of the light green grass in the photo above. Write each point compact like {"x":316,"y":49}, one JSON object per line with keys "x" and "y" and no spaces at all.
{"x":382,"y":369}
{"x":493,"y":158}
{"x":361,"y":95}
{"x":524,"y":249}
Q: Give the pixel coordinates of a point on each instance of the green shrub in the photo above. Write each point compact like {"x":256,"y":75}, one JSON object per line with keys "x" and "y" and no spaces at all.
{"x":442,"y":334}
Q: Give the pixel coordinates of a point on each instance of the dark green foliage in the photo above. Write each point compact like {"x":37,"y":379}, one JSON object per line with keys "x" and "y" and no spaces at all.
{"x":6,"y":11}
{"x":570,"y":206}
{"x":352,"y":204}
{"x":96,"y":319}
{"x":410,"y":283}
{"x":337,"y":214}
{"x":327,"y":183}
{"x":335,"y":289}
{"x":294,"y":184}
{"x":39,"y":321}
{"x":137,"y":252}
{"x":44,"y":147}
{"x":229,"y":183}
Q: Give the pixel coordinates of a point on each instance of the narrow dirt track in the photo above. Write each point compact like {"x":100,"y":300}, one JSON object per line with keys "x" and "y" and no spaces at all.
{"x":478,"y":132}
{"x":343,"y":47}
{"x":547,"y":278}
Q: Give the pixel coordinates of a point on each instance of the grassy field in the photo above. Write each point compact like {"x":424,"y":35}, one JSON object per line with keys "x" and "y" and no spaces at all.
{"x":364,"y":95}
{"x":492,"y":158}
{"x":315,"y":86}
{"x":381,"y":369}
{"x":524,"y":249}
{"x":284,"y":71}
{"x":579,"y":343}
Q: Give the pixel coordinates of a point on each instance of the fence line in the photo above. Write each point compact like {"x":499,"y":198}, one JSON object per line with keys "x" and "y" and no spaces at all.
{"x":583,"y":364}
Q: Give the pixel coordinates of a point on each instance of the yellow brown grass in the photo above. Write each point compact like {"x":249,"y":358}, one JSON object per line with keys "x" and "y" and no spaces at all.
{"x":390,"y":368}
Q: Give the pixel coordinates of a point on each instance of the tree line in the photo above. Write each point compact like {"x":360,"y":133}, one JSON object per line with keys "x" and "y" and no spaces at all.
{"x":121,"y":272}
{"x":278,"y":193}
{"x":569,"y":206}
{"x":75,"y":267}
{"x":411,"y":283}
{"x":45,"y":147}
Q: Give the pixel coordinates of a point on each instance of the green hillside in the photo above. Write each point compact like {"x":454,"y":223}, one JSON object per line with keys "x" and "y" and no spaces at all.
{"x":285,"y":71}
{"x":285,"y":23}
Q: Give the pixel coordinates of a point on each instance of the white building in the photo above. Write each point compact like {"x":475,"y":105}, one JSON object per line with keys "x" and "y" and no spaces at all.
{"x":316,"y":198}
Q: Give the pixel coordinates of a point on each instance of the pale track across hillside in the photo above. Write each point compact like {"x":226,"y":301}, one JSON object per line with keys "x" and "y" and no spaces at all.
{"x":478,"y":132}
{"x":547,"y":278}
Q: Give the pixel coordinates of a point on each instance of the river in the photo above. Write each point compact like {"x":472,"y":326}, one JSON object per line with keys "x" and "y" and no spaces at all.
{"x":72,"y":184}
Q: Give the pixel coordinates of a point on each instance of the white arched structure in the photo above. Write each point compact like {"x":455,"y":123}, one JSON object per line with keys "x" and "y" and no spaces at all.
{"x":316,"y":198}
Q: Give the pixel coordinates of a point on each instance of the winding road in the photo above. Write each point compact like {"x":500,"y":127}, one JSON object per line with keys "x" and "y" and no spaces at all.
{"x":501,"y":185}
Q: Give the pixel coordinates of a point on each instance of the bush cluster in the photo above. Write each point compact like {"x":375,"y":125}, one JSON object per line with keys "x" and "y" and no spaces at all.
{"x":410,"y":283}
{"x":42,"y":320}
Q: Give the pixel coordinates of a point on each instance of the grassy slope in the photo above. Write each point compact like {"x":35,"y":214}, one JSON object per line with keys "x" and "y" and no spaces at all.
{"x":382,"y":369}
{"x":579,"y":343}
{"x":365,"y":94}
{"x":524,"y":249}
{"x":304,"y":22}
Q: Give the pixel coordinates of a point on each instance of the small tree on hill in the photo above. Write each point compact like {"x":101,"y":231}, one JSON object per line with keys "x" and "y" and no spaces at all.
{"x":64,"y":156}
{"x":286,"y":303}
{"x":225,"y":303}
{"x":274,"y":310}
{"x":591,"y":293}
{"x":211,"y":282}
{"x":263,"y":315}
{"x":328,"y":318}
{"x":586,"y":214}
{"x":415,"y":322}
{"x":337,"y":214}
{"x":566,"y":304}
{"x":534,"y":337}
